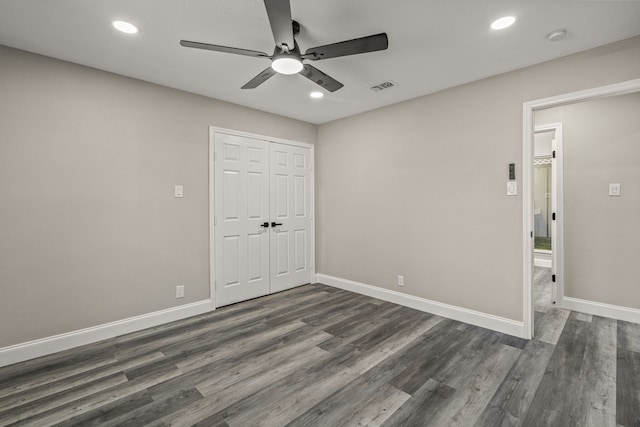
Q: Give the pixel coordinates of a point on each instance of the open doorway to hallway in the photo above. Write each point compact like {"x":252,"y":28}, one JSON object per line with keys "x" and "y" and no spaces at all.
{"x":594,"y":250}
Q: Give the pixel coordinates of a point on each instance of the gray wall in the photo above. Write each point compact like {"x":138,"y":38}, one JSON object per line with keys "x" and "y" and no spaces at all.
{"x":419,"y":188}
{"x":89,"y":229}
{"x":602,"y":233}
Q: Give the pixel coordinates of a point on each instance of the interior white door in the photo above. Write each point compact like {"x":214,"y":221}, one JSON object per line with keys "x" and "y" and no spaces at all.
{"x":556,"y":217}
{"x":241,"y":211}
{"x":291,"y":216}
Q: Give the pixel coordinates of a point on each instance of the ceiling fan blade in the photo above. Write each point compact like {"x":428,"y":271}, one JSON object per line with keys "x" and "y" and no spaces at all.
{"x":320,"y":78}
{"x":260,"y":78}
{"x":225,"y":49}
{"x":279,"y":12}
{"x":348,"y":47}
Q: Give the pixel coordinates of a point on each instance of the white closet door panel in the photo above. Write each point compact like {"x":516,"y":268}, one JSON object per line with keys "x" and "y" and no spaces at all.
{"x":231,"y":260}
{"x":290,"y":174}
{"x":281,"y":197}
{"x":255,"y":210}
{"x":256,"y":257}
{"x":241,"y":205}
{"x":282,"y":252}
{"x":300,"y":196}
{"x":231,"y":195}
{"x":300,"y":250}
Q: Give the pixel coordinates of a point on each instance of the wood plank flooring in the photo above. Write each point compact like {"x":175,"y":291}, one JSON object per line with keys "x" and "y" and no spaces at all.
{"x":319,"y":356}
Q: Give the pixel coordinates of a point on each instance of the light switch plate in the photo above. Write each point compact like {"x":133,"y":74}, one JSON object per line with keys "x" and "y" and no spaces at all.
{"x":614,"y":189}
{"x":178,"y":192}
{"x":512,"y":188}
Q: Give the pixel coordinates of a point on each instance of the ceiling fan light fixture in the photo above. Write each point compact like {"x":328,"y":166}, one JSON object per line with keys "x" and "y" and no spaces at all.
{"x":125,"y":27}
{"x":287,"y":64}
{"x":316,"y":95}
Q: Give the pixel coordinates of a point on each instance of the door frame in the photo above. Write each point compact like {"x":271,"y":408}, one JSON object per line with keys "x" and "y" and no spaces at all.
{"x":557,"y":205}
{"x":528,"y":109}
{"x":212,"y":132}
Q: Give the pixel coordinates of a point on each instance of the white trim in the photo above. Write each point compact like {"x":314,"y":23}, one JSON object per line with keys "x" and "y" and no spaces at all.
{"x":212,"y":212}
{"x":44,"y":346}
{"x":623,"y":88}
{"x":527,"y":221}
{"x":213,"y":129}
{"x":601,"y":309}
{"x":484,"y":320}
{"x":528,"y":108}
{"x":313,"y":212}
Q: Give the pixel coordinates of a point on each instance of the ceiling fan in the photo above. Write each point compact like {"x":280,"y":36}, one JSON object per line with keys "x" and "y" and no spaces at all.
{"x":287,"y":57}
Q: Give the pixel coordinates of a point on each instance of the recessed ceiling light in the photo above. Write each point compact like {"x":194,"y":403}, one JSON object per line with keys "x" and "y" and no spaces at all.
{"x":502,"y":23}
{"x":556,"y":35}
{"x":316,"y":94}
{"x":125,"y":27}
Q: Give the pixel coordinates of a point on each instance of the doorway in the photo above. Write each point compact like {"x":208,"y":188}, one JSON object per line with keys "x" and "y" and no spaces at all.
{"x":261,"y":215}
{"x":621,"y":312}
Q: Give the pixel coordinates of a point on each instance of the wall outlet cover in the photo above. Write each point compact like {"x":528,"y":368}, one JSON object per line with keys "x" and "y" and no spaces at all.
{"x":180,"y":291}
{"x":614,"y":189}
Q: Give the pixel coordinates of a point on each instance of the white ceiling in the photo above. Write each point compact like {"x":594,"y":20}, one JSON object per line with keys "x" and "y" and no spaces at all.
{"x":433,"y":45}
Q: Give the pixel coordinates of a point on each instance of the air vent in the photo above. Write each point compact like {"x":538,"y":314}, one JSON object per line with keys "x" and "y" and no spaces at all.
{"x":382,"y":86}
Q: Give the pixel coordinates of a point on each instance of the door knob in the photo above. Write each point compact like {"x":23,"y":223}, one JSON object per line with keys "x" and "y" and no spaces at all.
{"x":274,"y":224}
{"x":265,"y":225}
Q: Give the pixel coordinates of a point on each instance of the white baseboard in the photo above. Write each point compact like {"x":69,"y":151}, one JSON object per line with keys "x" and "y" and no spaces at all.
{"x":42,"y":347}
{"x":601,"y":309}
{"x":484,"y":320}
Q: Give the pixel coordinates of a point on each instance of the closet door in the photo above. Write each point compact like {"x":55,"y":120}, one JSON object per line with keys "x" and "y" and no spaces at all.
{"x":241,"y":218}
{"x":290,"y":213}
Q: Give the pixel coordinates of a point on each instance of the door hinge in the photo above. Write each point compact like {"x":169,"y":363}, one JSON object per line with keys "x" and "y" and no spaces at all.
{"x":553,"y":278}
{"x":554,"y":154}
{"x":215,"y":221}
{"x":553,"y":216}
{"x":532,"y":234}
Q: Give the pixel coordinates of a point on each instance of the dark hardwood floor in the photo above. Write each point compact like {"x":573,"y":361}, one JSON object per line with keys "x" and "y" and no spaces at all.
{"x":319,"y":356}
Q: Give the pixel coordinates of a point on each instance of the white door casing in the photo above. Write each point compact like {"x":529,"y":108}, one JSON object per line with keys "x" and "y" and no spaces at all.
{"x":257,"y":182}
{"x":528,"y":129}
{"x":291,"y":207}
{"x":242,"y":206}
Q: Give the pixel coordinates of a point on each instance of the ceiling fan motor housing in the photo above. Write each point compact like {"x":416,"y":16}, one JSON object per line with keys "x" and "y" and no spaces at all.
{"x":287,"y":61}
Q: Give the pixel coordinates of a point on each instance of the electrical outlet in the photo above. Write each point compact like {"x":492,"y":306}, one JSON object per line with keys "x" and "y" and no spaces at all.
{"x":614,"y":189}
{"x":180,"y":291}
{"x":400,"y":280}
